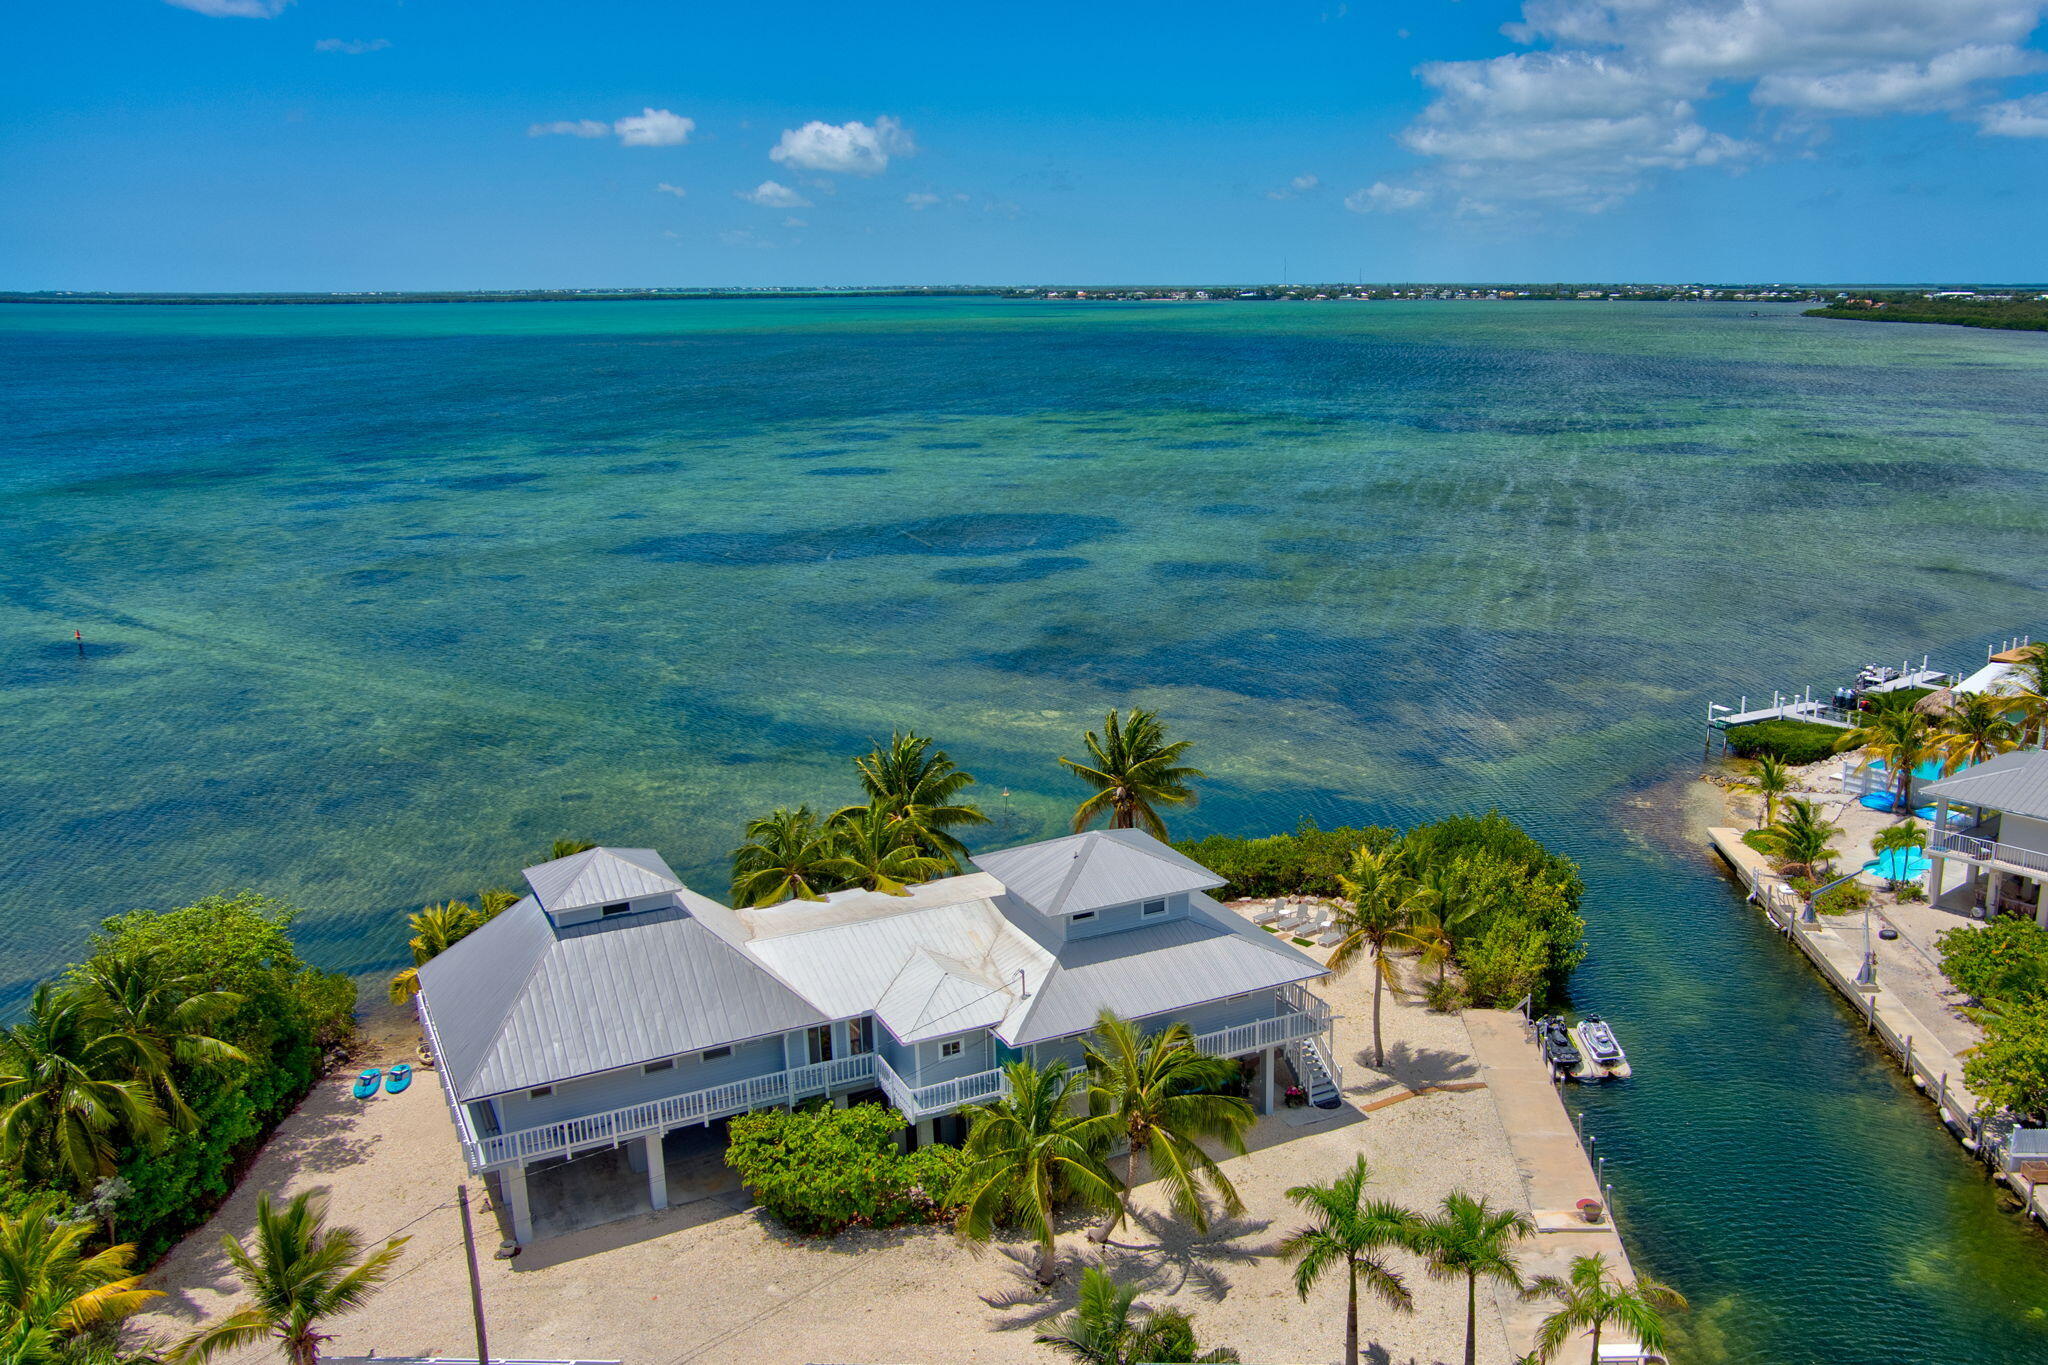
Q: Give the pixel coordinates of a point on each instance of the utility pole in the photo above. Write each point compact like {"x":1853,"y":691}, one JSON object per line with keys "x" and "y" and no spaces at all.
{"x":476,"y":1287}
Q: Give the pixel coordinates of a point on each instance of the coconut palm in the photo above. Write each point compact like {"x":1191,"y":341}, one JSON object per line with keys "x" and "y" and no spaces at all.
{"x":1161,"y":1093}
{"x":1347,"y":1233}
{"x":880,"y":852}
{"x":435,"y":929}
{"x":1134,"y":770}
{"x":1027,"y":1151}
{"x":1380,"y":917}
{"x":787,"y":854}
{"x":1901,"y":736}
{"x":568,"y":848}
{"x":1901,"y":838}
{"x":2027,"y":692}
{"x":1770,"y":780}
{"x":48,"y":1282}
{"x":68,"y":1089}
{"x":299,"y":1272}
{"x":162,"y":1017}
{"x":1466,"y":1239}
{"x":1977,"y":727}
{"x":1593,"y":1296}
{"x":1102,"y":1329}
{"x":920,"y":786}
{"x":1799,"y":841}
{"x":494,"y":901}
{"x":1452,"y":899}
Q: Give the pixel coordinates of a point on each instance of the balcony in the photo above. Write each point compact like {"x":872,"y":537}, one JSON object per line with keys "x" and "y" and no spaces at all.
{"x":1973,"y":848}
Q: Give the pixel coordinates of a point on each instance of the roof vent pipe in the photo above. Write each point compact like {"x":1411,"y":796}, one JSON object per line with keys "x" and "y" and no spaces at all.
{"x":1023,"y":991}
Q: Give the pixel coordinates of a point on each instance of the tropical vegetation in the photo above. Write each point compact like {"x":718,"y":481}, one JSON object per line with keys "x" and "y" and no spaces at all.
{"x":1591,"y":1297}
{"x":58,"y":1300}
{"x":1907,"y":837}
{"x":2028,"y":693}
{"x":919,"y":788}
{"x":821,"y":1170}
{"x":298,"y":1273}
{"x":1104,"y":1329}
{"x":437,"y":928}
{"x":1795,"y":743}
{"x":1770,"y":779}
{"x":1027,"y":1153}
{"x":1468,"y":1239}
{"x":1348,"y":1234}
{"x":1381,"y":914}
{"x":1976,"y":726}
{"x":1900,"y":735}
{"x":1163,"y":1095}
{"x":1310,"y":861}
{"x":2003,"y":966}
{"x":1134,"y":770}
{"x":1799,"y":841}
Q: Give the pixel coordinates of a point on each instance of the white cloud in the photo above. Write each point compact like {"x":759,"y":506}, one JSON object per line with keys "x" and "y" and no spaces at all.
{"x":920,"y":200}
{"x":1381,"y":197}
{"x":583,"y":127}
{"x":2023,"y":117}
{"x":1614,"y":95}
{"x":234,"y":9}
{"x":844,"y":148}
{"x":794,"y":223}
{"x":352,"y":47}
{"x":770,"y":195}
{"x":744,"y":237}
{"x":677,"y":190}
{"x":654,"y":128}
{"x":648,"y":128}
{"x":1301,"y":184}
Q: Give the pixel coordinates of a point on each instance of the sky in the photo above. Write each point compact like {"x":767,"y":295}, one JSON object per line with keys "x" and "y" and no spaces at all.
{"x":194,"y":145}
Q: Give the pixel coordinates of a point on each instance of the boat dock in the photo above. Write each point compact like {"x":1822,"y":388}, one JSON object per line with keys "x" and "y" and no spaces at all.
{"x":1911,"y":1024}
{"x":1803,"y":705}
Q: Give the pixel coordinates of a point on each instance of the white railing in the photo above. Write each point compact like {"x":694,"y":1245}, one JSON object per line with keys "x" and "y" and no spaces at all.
{"x":1969,"y":846}
{"x":465,"y":1131}
{"x":922,"y":1101}
{"x":673,"y":1111}
{"x":1259,"y":1034}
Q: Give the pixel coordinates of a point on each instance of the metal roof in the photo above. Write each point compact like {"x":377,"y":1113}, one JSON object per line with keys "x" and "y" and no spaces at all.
{"x":521,"y":1002}
{"x":2016,"y":783}
{"x":1091,"y":871}
{"x":1211,"y":955}
{"x":600,"y":876}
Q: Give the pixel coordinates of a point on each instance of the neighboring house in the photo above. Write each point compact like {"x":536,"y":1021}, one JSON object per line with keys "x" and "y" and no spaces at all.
{"x":2003,"y":853}
{"x":614,"y":1005}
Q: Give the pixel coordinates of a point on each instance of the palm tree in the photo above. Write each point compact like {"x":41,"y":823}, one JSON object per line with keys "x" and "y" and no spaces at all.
{"x":881,"y":853}
{"x":162,"y":1017}
{"x":435,"y":929}
{"x":787,"y":853}
{"x":1379,"y":918}
{"x":1134,"y":770}
{"x":1900,"y":735}
{"x":1977,"y":727}
{"x":1161,"y":1092}
{"x":1027,"y":1151}
{"x":298,"y":1272}
{"x":47,"y":1282}
{"x":2027,"y":693}
{"x":568,"y":848}
{"x":920,"y":786}
{"x":494,"y":901}
{"x":68,"y":1088}
{"x":1592,"y":1296}
{"x":1450,"y":899}
{"x":1899,"y":839}
{"x":1800,"y":839}
{"x":1771,"y":780}
{"x":1469,"y":1238}
{"x":1347,"y":1232}
{"x":1102,"y":1330}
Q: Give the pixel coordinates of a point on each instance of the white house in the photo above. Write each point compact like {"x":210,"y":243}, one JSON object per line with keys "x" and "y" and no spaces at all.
{"x":614,"y":1007}
{"x":2002,"y":855}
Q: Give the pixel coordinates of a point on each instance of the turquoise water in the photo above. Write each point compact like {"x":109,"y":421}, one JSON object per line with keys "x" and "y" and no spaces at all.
{"x":1926,"y":772}
{"x":379,"y":600}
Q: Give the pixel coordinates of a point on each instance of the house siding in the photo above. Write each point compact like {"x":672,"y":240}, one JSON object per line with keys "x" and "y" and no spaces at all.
{"x":977,"y":1053}
{"x":617,"y":1089}
{"x":2023,"y":832}
{"x":1117,"y":918}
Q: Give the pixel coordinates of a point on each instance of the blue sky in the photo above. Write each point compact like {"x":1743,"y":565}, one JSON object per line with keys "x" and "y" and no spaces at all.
{"x":416,"y":144}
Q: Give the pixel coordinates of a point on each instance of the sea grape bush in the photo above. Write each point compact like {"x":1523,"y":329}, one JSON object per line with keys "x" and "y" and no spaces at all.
{"x":820,"y":1171}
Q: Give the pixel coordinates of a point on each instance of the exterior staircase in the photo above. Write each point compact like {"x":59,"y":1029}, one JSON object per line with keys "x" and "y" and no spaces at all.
{"x":1318,"y":1075}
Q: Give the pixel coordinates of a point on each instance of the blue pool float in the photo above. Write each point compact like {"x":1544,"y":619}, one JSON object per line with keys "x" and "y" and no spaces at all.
{"x":399,"y":1079}
{"x":366,"y":1084}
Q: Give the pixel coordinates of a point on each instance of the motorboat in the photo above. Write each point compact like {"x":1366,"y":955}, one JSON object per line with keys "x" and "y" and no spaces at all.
{"x":1556,"y":1041}
{"x":1603,"y":1051}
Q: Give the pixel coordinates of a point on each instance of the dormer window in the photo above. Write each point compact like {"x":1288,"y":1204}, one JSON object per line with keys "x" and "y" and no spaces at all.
{"x":1084,"y":915}
{"x":618,"y":908}
{"x":1154,"y":908}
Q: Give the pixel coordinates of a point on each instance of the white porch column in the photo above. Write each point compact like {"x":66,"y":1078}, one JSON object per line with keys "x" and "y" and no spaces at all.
{"x":839,"y":1100}
{"x":657,"y":1172}
{"x":1272,"y":1065}
{"x":513,"y":1182}
{"x":926,"y":1133}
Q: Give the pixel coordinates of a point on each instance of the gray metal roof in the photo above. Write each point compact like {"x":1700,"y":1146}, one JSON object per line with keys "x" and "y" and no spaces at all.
{"x":521,"y":1003}
{"x":600,"y":876}
{"x":2016,"y":783}
{"x":1094,"y":870}
{"x":1211,"y":955}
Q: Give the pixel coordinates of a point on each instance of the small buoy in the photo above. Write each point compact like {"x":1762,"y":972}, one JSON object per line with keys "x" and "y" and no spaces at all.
{"x":79,"y":636}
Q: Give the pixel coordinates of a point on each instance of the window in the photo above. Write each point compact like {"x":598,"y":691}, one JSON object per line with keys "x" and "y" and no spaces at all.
{"x":1154,"y":908}
{"x":619,"y":908}
{"x":712,"y":1054}
{"x":665,"y":1064}
{"x":1085,"y":914}
{"x":540,"y":1092}
{"x":818,"y":1043}
{"x":950,"y":1049}
{"x":860,"y":1037}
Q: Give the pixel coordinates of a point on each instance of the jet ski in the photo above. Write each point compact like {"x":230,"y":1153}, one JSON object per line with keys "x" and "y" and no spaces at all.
{"x":1602,"y":1050}
{"x":1556,"y":1042}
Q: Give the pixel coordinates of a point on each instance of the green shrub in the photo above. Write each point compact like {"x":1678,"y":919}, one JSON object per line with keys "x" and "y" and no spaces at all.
{"x":2009,"y":1069}
{"x":1307,"y":862}
{"x":1527,"y":894}
{"x":2005,"y":960}
{"x":825,"y":1170}
{"x":1843,"y":900}
{"x":1797,"y":742}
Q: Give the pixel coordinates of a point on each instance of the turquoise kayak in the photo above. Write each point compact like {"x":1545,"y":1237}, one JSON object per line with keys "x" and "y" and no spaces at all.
{"x":400,"y":1078}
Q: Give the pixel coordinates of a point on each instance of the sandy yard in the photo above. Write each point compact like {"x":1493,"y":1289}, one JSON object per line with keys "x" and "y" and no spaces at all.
{"x":714,"y":1280}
